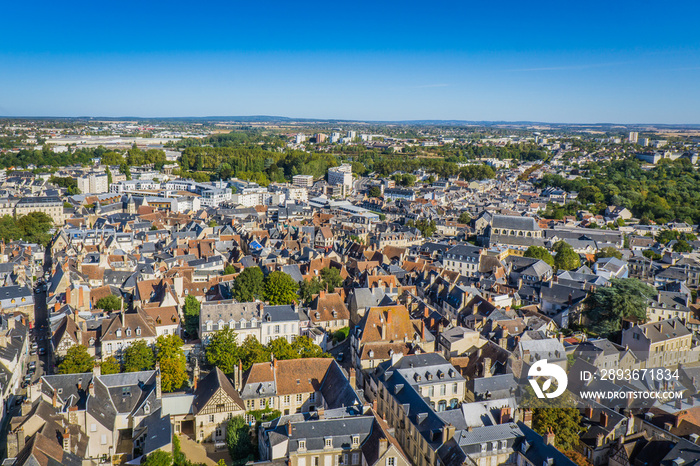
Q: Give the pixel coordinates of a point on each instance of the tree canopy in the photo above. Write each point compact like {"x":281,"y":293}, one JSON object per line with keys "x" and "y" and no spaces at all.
{"x":138,"y":357}
{"x":173,"y":365}
{"x":109,"y":303}
{"x":76,"y":361}
{"x":608,"y":305}
{"x":238,"y":439}
{"x":566,"y":258}
{"x":157,"y":458}
{"x":191,"y":311}
{"x":248,"y":285}
{"x":538,"y":252}
{"x":280,"y":288}
{"x":33,"y":228}
{"x":110,"y":366}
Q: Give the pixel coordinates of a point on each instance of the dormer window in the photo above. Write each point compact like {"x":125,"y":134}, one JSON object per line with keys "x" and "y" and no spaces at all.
{"x":147,"y":408}
{"x":355,"y":440}
{"x":118,"y":333}
{"x":302,"y":444}
{"x":138,"y":330}
{"x":128,"y":332}
{"x":92,"y":341}
{"x":243,"y":322}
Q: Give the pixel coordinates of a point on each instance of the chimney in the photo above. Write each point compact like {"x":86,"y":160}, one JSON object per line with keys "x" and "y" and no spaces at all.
{"x":352,"y":378}
{"x":54,"y":400}
{"x":321,"y":294}
{"x":56,"y":306}
{"x":527,"y":417}
{"x":20,"y":439}
{"x":589,"y":412}
{"x":487,"y":367}
{"x":80,"y":384}
{"x":66,"y":440}
{"x":289,"y":428}
{"x":447,"y":433}
{"x":239,"y":376}
{"x":549,"y":437}
{"x":321,"y":412}
{"x":26,"y":407}
{"x":604,"y":419}
{"x":383,"y":446}
{"x":388,"y":317}
{"x":159,"y":390}
{"x":505,"y":415}
{"x":422,"y":330}
{"x":599,"y":440}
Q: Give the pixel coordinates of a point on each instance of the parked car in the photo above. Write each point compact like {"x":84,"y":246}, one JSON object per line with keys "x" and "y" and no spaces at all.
{"x":42,"y":351}
{"x":339,"y":358}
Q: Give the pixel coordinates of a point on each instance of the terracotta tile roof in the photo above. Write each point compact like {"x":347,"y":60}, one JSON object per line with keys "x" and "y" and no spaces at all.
{"x":132,"y":321}
{"x":166,"y":315}
{"x":324,"y":304}
{"x":93,"y":272}
{"x":292,"y":376}
{"x":395,"y":320}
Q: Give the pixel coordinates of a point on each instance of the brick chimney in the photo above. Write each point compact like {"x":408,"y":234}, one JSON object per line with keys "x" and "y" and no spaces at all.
{"x":289,"y":428}
{"x":321,"y":294}
{"x":604,"y":419}
{"x":352,"y":378}
{"x":505,"y":415}
{"x":549,"y":437}
{"x":589,"y":412}
{"x":66,"y":440}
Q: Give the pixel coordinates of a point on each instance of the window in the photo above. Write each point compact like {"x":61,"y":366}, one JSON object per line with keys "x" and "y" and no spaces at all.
{"x":277,"y":329}
{"x":442,"y":389}
{"x":302,"y":444}
{"x":345,"y":458}
{"x":455,"y":388}
{"x":355,"y":441}
{"x":328,"y":442}
{"x":312,"y":397}
{"x":262,"y":403}
{"x":103,"y":439}
{"x":93,"y":427}
{"x":355,"y":458}
{"x":118,"y":333}
{"x":391,"y":461}
{"x":484,"y":447}
{"x":287,"y":399}
{"x":128,"y":332}
{"x":299,"y":397}
{"x":218,"y":432}
{"x":211,"y":419}
{"x":138,"y":330}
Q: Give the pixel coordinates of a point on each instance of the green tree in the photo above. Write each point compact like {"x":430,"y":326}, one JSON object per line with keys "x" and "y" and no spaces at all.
{"x":649,"y":254}
{"x":138,"y":357}
{"x":109,"y":177}
{"x":281,"y":348}
{"x":157,"y":458}
{"x":280,"y":288}
{"x":173,"y":365}
{"x":566,"y":258}
{"x":374,"y":191}
{"x":109,"y":366}
{"x":109,"y":303}
{"x":330,"y":278}
{"x":608,"y":252}
{"x":248,"y":285}
{"x":426,"y":227}
{"x":76,"y":361}
{"x":238,"y":439}
{"x":229,"y":270}
{"x":538,"y":252}
{"x":223,"y":351}
{"x":682,"y":246}
{"x":191,"y":310}
{"x":306,"y":348}
{"x":252,"y":351}
{"x":341,"y":334}
{"x":309,"y":288}
{"x":608,"y":305}
{"x":464,"y":217}
{"x":559,"y":415}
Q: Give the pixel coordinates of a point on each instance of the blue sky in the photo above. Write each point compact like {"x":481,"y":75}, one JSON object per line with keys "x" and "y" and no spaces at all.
{"x":614,"y":61}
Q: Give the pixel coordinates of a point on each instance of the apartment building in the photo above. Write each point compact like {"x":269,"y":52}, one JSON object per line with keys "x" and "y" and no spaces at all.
{"x":50,"y":205}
